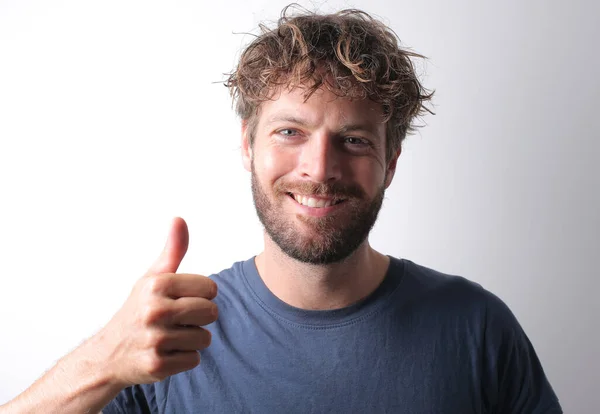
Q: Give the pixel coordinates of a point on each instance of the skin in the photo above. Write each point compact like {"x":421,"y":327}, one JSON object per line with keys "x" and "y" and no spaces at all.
{"x":314,"y":148}
{"x":155,"y":334}
{"x":159,"y":329}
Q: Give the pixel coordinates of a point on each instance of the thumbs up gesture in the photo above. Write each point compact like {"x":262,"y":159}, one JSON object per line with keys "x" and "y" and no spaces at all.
{"x":158,"y":331}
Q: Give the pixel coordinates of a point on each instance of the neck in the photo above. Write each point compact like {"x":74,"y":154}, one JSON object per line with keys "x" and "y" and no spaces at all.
{"x":321,"y":287}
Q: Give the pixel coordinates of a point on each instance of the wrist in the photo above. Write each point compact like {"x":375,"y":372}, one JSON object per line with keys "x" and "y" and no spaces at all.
{"x":95,"y":362}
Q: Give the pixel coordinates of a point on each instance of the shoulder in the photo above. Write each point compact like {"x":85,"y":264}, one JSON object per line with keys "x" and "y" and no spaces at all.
{"x":454,"y":294}
{"x":423,"y":281}
{"x":512,"y":378}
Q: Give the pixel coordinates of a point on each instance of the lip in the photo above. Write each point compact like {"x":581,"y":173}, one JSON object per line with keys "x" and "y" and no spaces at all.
{"x":314,"y":211}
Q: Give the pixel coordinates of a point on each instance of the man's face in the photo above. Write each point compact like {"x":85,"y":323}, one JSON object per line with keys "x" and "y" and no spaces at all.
{"x":318,"y":172}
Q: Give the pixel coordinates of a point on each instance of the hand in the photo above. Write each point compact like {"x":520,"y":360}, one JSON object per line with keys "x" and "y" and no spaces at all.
{"x":158,"y":331}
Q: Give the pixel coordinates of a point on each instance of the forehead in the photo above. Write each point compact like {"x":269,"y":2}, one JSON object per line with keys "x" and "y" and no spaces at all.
{"x":322,"y":107}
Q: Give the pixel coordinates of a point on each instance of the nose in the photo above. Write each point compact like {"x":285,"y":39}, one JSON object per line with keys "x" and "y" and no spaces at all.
{"x":319,"y":160}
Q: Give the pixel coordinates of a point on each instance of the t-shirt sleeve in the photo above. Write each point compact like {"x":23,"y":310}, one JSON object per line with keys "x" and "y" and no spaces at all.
{"x":138,"y":399}
{"x":515,"y":381}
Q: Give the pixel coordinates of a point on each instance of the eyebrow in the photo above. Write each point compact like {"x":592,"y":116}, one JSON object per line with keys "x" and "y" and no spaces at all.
{"x":345,"y":128}
{"x":287,"y":118}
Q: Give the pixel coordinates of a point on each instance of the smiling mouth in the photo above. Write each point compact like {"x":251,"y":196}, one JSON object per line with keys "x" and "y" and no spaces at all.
{"x":316,"y":202}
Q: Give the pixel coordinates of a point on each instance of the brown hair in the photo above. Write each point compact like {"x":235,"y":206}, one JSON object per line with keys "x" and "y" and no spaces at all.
{"x":349,"y":52}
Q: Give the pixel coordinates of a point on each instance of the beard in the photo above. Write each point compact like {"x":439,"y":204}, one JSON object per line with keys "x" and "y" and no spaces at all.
{"x":329,"y":239}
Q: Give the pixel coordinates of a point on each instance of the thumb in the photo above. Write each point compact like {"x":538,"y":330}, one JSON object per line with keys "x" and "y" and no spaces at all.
{"x":174,"y":250}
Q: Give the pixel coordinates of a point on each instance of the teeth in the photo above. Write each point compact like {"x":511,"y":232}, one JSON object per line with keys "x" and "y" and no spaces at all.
{"x":313,"y":202}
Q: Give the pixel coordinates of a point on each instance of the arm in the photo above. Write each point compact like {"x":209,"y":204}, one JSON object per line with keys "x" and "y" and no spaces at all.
{"x":157,"y":333}
{"x":78,"y":383}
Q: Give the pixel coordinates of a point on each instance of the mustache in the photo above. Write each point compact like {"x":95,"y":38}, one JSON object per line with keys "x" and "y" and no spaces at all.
{"x":336,"y":190}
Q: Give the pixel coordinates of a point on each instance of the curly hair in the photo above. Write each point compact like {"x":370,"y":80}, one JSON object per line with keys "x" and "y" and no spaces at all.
{"x":349,"y":52}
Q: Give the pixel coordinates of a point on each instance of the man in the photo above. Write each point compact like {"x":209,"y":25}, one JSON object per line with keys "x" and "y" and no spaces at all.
{"x":319,"y":321}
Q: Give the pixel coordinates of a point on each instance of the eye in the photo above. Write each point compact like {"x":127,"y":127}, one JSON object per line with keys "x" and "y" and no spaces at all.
{"x":356,"y":141}
{"x":287,"y":132}
{"x":357,"y":144}
{"x":288,"y":136}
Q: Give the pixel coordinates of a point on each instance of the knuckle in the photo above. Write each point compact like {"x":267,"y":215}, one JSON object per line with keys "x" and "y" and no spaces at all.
{"x":154,"y":365}
{"x":210,"y":288}
{"x":152,"y":313}
{"x":161,"y":341}
{"x":194,"y":359}
{"x":214,"y":311}
{"x":214,"y":288}
{"x":156,"y":340}
{"x":189,"y":361}
{"x":204,"y":313}
{"x":157,"y":284}
{"x":205,"y":339}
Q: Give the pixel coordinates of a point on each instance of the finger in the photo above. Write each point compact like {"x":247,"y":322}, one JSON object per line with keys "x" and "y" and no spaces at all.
{"x":190,"y":285}
{"x":181,"y":361}
{"x":174,"y":250}
{"x":194,"y":312}
{"x":181,"y":338}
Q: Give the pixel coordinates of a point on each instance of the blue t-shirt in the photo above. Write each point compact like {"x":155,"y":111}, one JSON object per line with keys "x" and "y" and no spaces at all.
{"x":422,"y":342}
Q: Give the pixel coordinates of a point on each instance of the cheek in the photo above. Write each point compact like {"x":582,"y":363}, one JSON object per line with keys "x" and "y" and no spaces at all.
{"x":369,"y":175}
{"x":273,"y":163}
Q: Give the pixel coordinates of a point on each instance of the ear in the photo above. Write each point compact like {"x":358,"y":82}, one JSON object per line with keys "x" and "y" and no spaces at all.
{"x":391,"y":169}
{"x":246,"y":147}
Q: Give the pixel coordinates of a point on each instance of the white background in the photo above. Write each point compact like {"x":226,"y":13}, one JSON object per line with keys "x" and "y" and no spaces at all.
{"x":112,"y":121}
